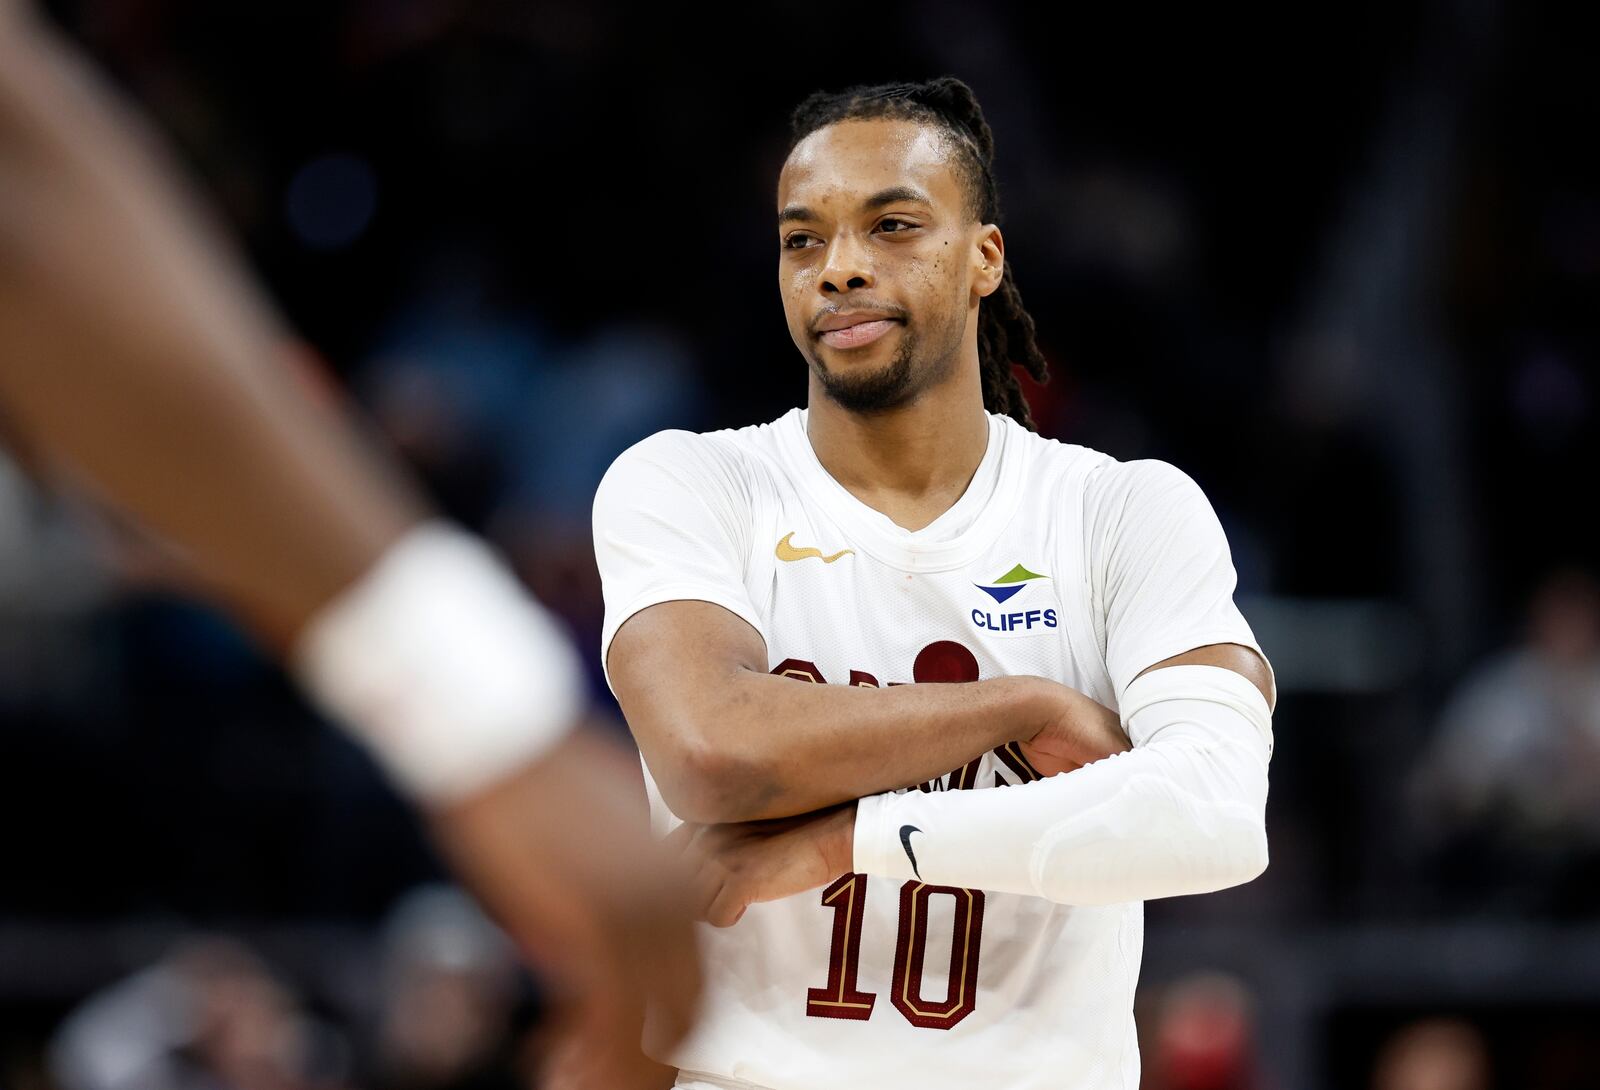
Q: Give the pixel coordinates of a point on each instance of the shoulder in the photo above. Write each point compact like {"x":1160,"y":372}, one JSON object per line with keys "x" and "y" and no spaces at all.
{"x":672,"y":448}
{"x":1106,"y":484}
{"x":704,"y":457}
{"x":1046,"y":461}
{"x":1117,"y":488}
{"x":1148,"y":504}
{"x":727,"y":469}
{"x":1114,"y":504}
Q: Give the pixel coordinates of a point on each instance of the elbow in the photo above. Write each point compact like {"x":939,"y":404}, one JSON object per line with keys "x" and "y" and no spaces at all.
{"x":1244,"y":858}
{"x":708,"y":785}
{"x":1232,"y":835}
{"x":1253,"y":859}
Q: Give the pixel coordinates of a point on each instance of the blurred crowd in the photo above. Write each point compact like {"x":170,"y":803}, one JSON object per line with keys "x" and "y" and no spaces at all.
{"x":453,"y":1012}
{"x":1507,"y":793}
{"x":449,"y":1009}
{"x":1346,"y":282}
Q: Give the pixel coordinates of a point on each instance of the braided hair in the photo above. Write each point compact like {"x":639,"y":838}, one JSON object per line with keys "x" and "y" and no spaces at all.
{"x":1005,"y":330}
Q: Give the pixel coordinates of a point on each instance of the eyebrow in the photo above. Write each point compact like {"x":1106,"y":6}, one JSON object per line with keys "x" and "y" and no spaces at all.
{"x":893,"y":195}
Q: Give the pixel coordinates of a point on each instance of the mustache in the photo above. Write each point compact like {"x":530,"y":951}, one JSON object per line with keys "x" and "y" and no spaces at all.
{"x":899,"y":314}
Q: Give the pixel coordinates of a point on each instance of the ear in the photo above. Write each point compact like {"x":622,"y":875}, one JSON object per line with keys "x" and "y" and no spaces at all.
{"x":988,"y":260}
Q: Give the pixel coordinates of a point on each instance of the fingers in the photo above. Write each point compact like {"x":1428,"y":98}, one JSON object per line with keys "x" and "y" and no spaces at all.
{"x":727,"y":907}
{"x":1048,"y":761}
{"x":600,"y":1051}
{"x":736,"y":866}
{"x":677,"y":841}
{"x":710,"y":878}
{"x":701,"y":847}
{"x":712,"y":882}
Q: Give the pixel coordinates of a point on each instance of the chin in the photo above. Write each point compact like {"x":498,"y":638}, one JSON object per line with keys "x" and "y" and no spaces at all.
{"x":855,"y":364}
{"x":851,"y":360}
{"x":869,"y":385}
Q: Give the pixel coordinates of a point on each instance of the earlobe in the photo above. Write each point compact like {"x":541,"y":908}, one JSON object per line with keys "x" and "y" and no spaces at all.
{"x":989,"y":278}
{"x":991,"y":253}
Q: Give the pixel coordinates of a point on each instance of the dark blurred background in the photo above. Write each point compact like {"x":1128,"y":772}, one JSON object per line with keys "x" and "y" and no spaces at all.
{"x":1338,"y":262}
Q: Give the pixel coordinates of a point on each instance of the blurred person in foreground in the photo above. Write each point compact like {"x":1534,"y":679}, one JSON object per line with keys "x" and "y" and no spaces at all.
{"x":938,"y":884}
{"x":1508,"y":786}
{"x":138,"y":359}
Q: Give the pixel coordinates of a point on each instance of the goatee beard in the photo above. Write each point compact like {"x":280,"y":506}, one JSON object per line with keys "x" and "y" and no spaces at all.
{"x":886,"y":388}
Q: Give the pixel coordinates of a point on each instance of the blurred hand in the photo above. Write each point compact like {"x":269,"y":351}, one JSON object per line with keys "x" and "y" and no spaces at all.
{"x":560,"y":854}
{"x":737,"y":865}
{"x":572,"y":1064}
{"x":1080,"y":732}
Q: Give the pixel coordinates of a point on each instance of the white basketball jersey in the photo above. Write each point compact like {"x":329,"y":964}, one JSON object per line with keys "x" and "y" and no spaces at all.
{"x":1057,"y":561}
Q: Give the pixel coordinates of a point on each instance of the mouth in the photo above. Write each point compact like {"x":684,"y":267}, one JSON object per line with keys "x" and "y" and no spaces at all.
{"x":859,"y":334}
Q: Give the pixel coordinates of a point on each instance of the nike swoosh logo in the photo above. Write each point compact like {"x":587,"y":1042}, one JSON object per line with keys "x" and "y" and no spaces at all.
{"x":788,"y":552}
{"x":905,"y":842}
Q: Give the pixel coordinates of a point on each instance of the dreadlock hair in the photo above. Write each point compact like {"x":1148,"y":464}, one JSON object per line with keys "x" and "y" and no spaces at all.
{"x":1005,"y":330}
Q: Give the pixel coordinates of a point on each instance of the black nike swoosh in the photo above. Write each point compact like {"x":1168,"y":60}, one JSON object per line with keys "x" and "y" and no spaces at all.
{"x":905,"y":842}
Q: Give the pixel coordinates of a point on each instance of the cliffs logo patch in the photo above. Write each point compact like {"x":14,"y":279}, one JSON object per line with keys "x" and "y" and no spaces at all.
{"x":1009,"y":584}
{"x":1018,"y":620}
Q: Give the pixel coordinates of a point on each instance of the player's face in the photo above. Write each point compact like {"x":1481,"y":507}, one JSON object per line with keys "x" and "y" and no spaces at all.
{"x":875,"y":246}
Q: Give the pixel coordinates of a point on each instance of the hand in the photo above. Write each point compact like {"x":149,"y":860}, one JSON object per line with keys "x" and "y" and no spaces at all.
{"x":1077,"y":731}
{"x":562,"y":1058}
{"x":560,"y":854}
{"x":738,"y":865}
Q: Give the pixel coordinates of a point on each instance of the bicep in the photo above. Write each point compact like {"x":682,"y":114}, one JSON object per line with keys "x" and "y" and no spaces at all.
{"x":670,"y":665}
{"x":669,"y":652}
{"x":1242,"y":660}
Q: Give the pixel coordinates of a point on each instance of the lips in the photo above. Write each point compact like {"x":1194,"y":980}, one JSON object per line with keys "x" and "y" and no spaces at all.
{"x":857,"y":334}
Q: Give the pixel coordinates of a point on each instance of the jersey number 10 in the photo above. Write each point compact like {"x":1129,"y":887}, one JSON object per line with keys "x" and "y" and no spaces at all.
{"x":842,"y":996}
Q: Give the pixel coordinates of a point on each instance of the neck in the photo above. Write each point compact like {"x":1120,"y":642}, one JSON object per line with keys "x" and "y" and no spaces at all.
{"x":912,"y":462}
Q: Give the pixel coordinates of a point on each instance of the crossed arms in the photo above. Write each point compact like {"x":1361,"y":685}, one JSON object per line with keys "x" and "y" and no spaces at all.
{"x":728,"y":742}
{"x":732,"y":747}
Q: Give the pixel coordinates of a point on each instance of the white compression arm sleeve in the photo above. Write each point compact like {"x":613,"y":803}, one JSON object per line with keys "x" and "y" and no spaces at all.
{"x":1182,"y":812}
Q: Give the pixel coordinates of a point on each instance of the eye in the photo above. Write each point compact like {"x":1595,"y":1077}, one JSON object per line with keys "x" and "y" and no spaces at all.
{"x":900,"y":224}
{"x":797,"y":241}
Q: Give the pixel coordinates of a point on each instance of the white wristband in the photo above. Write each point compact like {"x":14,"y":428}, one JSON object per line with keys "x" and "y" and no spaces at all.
{"x":438,"y":660}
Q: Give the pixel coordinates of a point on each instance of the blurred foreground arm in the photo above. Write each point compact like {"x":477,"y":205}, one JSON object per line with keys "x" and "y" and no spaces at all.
{"x":135,"y":352}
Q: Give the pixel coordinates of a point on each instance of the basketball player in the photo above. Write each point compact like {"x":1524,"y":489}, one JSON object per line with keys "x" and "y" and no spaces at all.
{"x":134,"y":353}
{"x":924,"y":885}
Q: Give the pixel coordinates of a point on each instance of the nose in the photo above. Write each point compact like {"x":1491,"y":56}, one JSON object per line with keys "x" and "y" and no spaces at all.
{"x":846,"y":267}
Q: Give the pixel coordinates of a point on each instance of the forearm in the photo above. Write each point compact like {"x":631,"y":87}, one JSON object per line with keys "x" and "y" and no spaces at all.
{"x":756,"y":746}
{"x":1183,"y":812}
{"x":133,"y":350}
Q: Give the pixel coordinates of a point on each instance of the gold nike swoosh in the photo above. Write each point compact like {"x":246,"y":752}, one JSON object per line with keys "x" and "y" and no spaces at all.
{"x":787,"y":551}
